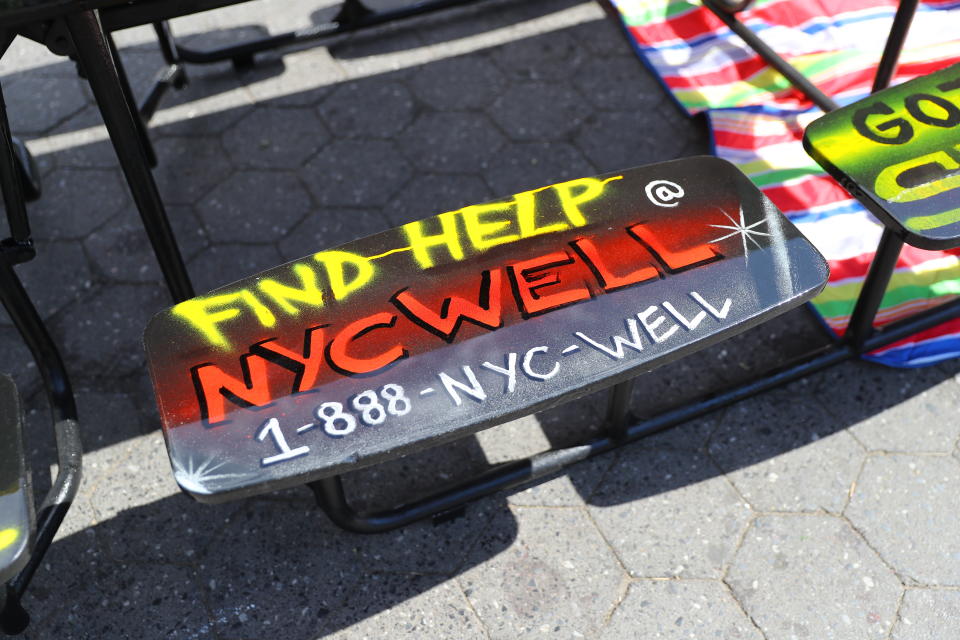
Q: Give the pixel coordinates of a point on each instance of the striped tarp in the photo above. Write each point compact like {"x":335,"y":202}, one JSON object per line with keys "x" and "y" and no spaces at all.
{"x":757,"y":120}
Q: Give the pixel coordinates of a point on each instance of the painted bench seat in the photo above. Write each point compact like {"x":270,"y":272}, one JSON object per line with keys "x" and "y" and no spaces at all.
{"x":898,"y":152}
{"x":448,"y":325}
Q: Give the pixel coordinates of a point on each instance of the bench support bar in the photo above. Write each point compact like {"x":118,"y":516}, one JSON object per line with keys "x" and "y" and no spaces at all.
{"x":331,"y":498}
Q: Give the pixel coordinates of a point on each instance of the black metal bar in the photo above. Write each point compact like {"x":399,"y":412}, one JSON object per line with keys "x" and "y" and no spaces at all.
{"x":618,"y":408}
{"x":874,"y":286}
{"x":344,"y":22}
{"x":891,"y":52}
{"x":165,"y":40}
{"x":93,"y":54}
{"x":330,"y":495}
{"x":13,"y":199}
{"x":132,"y":103}
{"x":796,"y":78}
{"x":64,"y":411}
{"x":172,"y":75}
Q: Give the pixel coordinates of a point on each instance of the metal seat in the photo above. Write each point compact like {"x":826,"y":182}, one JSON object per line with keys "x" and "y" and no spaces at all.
{"x":448,"y":325}
{"x":898,"y":152}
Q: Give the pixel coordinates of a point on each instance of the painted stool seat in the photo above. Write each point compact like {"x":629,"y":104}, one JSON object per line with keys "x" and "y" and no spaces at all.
{"x":16,"y":499}
{"x":898,"y":152}
{"x":445,"y":326}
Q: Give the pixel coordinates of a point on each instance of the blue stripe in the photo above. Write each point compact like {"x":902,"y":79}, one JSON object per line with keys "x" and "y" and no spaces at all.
{"x":924,"y":354}
{"x":840,"y":209}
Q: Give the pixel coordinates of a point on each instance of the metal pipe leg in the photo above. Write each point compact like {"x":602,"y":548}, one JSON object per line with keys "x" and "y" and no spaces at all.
{"x":771,"y":57}
{"x":875,"y":285}
{"x":63,"y":407}
{"x":93,"y":54}
{"x":174,"y":74}
{"x":10,"y":183}
{"x":891,"y":52}
{"x":132,"y":103}
{"x":618,"y":409}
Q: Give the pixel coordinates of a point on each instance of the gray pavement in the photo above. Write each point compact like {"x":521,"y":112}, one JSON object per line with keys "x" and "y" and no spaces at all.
{"x":824,"y":510}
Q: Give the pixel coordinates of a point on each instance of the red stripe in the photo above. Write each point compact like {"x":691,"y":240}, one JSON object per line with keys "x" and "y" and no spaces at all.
{"x":856,"y":266}
{"x":814,"y":191}
{"x":945,"y":329}
{"x":748,"y":141}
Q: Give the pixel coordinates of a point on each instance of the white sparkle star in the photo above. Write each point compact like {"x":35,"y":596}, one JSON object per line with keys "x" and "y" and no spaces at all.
{"x":746,"y":232}
{"x":193,"y":478}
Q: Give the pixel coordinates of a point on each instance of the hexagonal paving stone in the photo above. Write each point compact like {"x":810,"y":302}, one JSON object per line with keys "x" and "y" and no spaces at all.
{"x":557,"y":577}
{"x":550,"y":56}
{"x":188,"y":168}
{"x":778,"y":451}
{"x":528,"y":165}
{"x":803,"y":576}
{"x":620,"y":84}
{"x":222,"y":264}
{"x":601,"y":37}
{"x":894,"y":409}
{"x":905,"y":507}
{"x":142,"y":498}
{"x":427,"y":195}
{"x":87,"y":145}
{"x":464,"y":82}
{"x":356,"y":173}
{"x":275,"y":138}
{"x":110,"y":600}
{"x":330,"y":228}
{"x":77,"y":201}
{"x":394,"y":605}
{"x":236,"y":209}
{"x":927,"y":614}
{"x":211,"y":103}
{"x":679,"y":609}
{"x":539,"y":111}
{"x":627,"y":139}
{"x":368,"y":108}
{"x":58,"y":276}
{"x":18,"y":361}
{"x":450,"y":142}
{"x":669,"y":513}
{"x":59,"y":99}
{"x":102,"y":334}
{"x":121,"y":250}
{"x":296,"y":568}
{"x":293,"y":78}
{"x":109,"y":417}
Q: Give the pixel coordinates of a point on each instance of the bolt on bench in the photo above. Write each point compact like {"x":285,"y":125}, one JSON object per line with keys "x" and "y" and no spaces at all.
{"x":455,"y":323}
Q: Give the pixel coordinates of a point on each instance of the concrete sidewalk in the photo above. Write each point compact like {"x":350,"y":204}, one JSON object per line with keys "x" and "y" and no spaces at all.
{"x":823,"y":510}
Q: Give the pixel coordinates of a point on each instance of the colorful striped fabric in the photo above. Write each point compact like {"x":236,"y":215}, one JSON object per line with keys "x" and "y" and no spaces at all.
{"x":757,"y":120}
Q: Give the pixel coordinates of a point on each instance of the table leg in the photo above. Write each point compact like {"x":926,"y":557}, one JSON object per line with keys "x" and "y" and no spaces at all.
{"x":93,"y":54}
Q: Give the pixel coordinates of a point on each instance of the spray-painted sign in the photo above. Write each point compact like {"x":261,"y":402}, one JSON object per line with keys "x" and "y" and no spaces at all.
{"x":450,"y":324}
{"x":898,"y":150}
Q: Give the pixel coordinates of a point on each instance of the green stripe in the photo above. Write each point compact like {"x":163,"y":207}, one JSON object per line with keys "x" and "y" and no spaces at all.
{"x":655,"y":12}
{"x":778,"y":176}
{"x":762,"y":82}
{"x":643,"y":13}
{"x":836,"y":308}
